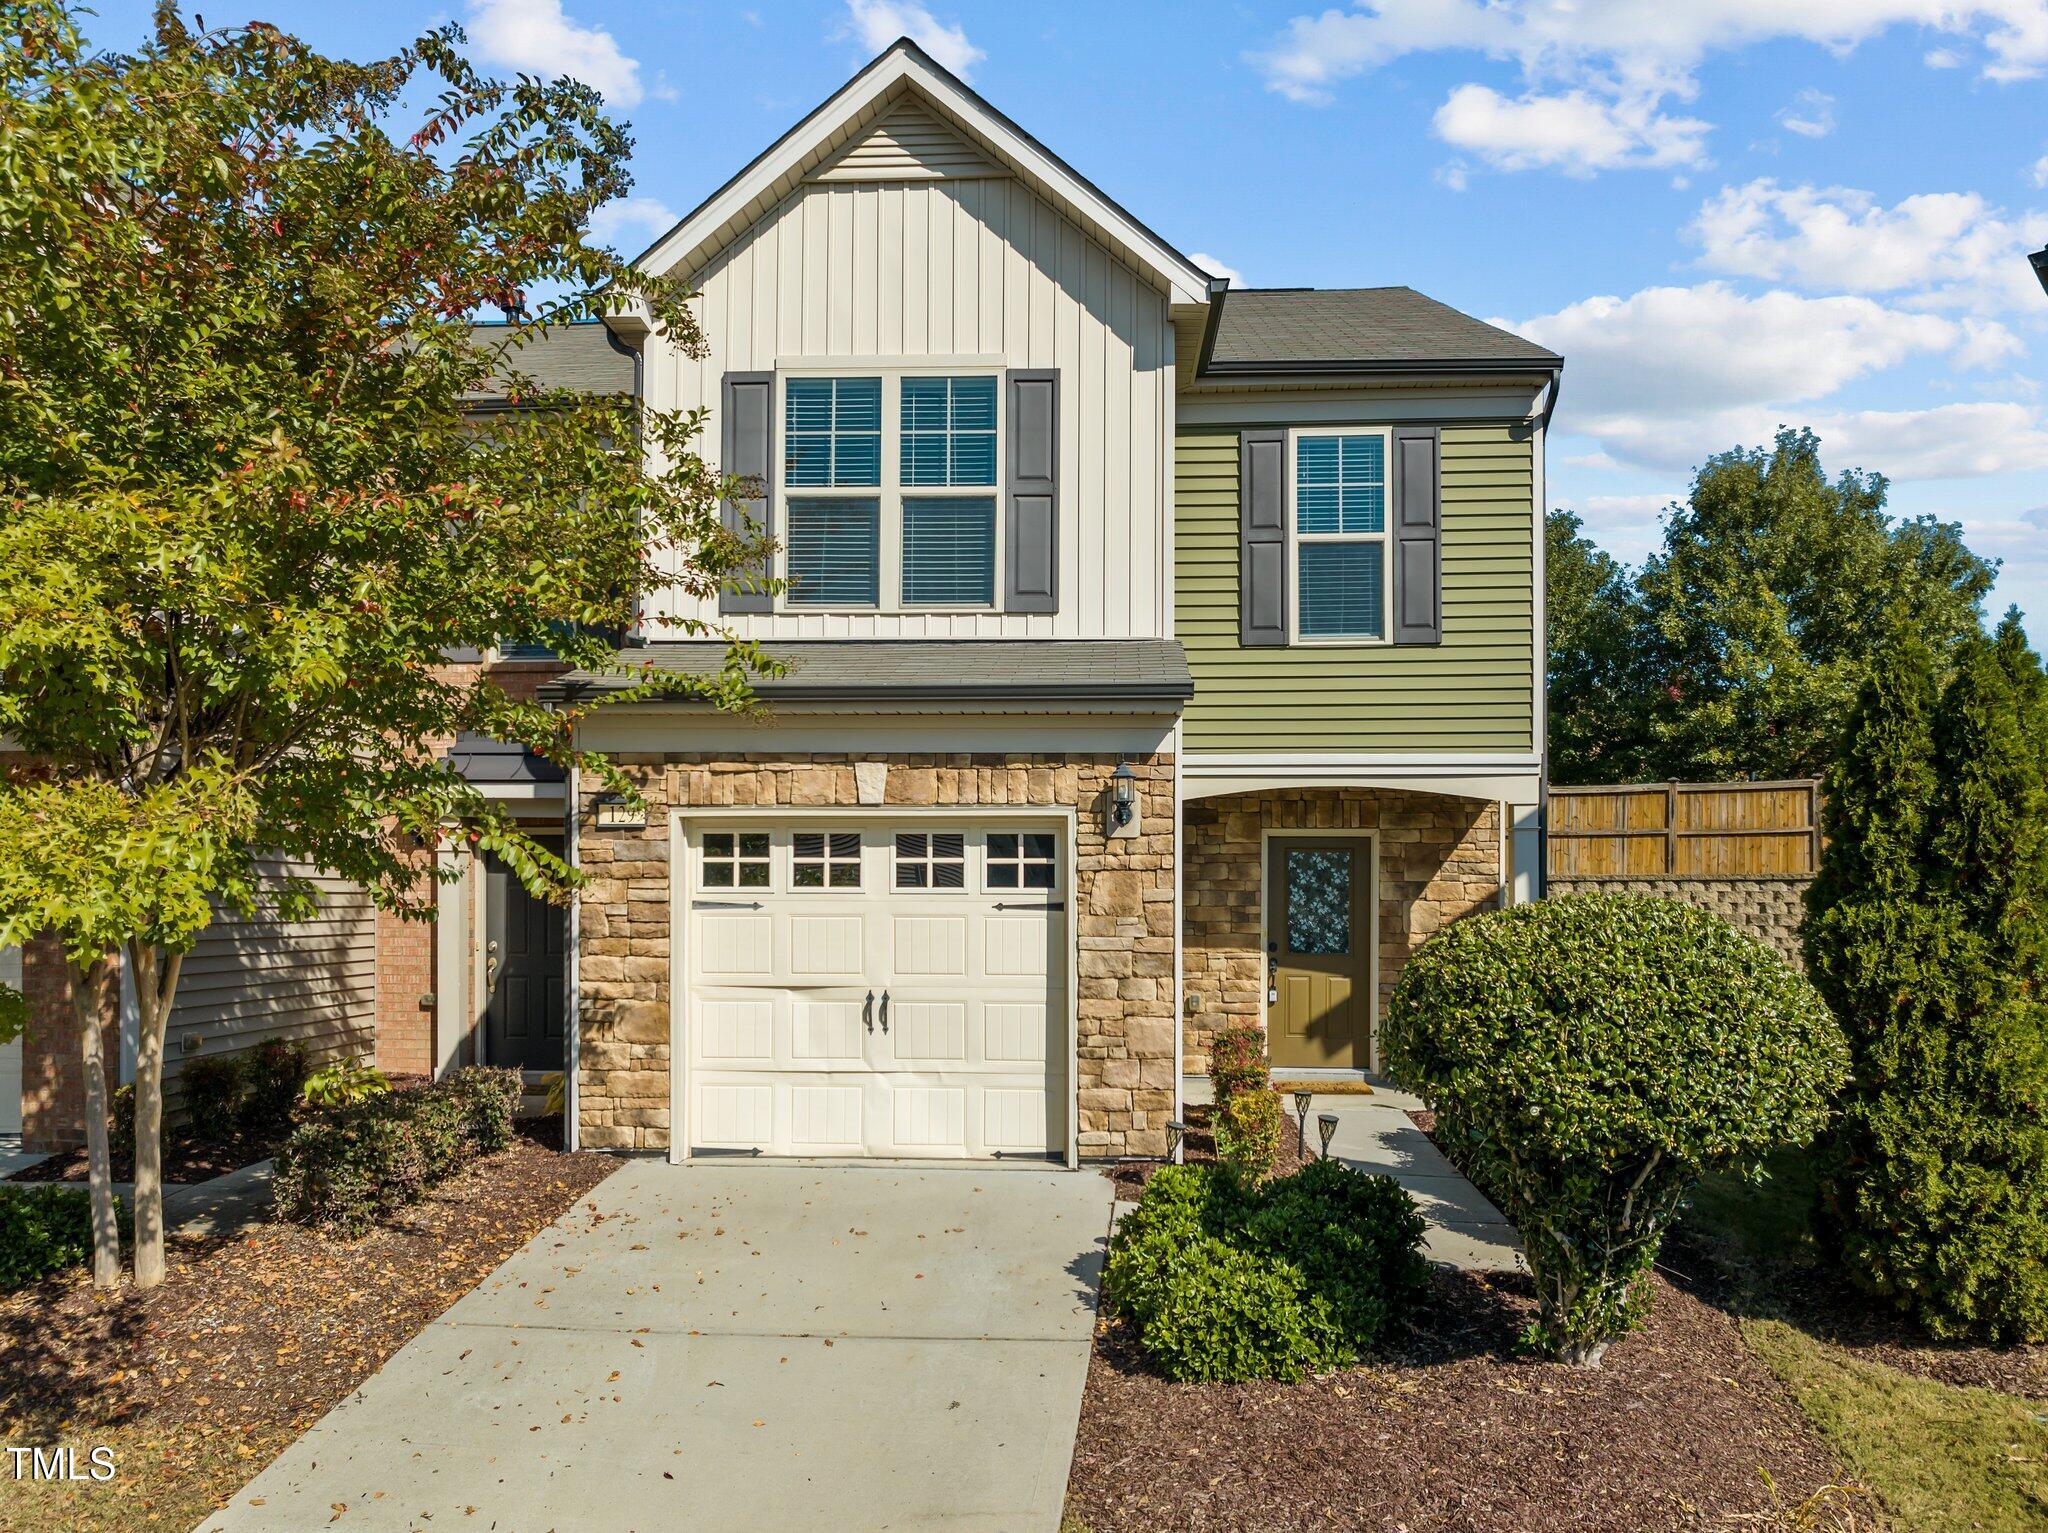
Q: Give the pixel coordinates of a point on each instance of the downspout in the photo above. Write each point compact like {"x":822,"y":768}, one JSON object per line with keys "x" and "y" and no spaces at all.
{"x":572,"y":949}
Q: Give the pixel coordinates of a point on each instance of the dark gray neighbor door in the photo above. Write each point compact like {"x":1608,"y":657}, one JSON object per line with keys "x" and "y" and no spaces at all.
{"x":523,"y":967}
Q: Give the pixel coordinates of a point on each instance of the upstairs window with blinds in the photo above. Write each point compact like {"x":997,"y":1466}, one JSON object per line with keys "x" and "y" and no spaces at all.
{"x":1339,"y":527}
{"x":832,"y":436}
{"x":892,"y":487}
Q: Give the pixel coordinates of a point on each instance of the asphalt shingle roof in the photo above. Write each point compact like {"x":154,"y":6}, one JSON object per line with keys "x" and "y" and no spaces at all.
{"x":928,"y":670}
{"x":581,"y":356}
{"x":1271,"y":328}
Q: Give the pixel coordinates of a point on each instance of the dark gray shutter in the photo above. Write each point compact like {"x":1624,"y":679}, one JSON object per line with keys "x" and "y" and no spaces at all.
{"x":1031,"y":540}
{"x":1262,"y":537}
{"x":1418,"y":538}
{"x":749,"y":451}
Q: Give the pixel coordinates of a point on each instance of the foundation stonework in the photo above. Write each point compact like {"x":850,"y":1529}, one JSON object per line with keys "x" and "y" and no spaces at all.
{"x":1122,"y":908}
{"x":1439,"y":859}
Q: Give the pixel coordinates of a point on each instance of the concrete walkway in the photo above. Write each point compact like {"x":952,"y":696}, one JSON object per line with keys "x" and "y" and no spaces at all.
{"x":14,"y":1158}
{"x":724,"y":1346}
{"x":1374,"y":1134}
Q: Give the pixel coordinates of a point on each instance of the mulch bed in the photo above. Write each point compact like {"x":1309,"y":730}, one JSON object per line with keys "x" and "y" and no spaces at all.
{"x":185,"y":1161}
{"x":268,"y":1331}
{"x":1822,"y":1305}
{"x":1198,"y":1148}
{"x":1453,"y":1430}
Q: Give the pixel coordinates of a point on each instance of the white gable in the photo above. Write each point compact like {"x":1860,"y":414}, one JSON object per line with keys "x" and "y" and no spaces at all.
{"x":943,"y":127}
{"x":907,"y":142}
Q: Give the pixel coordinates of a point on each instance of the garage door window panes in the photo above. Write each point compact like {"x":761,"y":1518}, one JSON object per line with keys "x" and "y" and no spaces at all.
{"x":822,"y":861}
{"x":1020,"y":860}
{"x":931,"y":860}
{"x":736,"y":860}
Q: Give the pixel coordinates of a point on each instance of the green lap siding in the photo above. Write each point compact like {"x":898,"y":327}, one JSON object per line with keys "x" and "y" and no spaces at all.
{"x":1471,"y":693}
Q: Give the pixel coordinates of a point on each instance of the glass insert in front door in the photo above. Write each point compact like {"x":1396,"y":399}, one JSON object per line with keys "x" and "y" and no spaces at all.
{"x":1318,"y":952}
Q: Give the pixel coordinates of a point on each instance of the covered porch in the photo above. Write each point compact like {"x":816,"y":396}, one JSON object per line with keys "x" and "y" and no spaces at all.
{"x":1302,"y":899}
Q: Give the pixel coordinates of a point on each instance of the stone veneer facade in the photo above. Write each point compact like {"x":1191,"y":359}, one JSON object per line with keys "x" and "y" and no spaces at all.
{"x":1439,"y":859}
{"x":1121,"y":904}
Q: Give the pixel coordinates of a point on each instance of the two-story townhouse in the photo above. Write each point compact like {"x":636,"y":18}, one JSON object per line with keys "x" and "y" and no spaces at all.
{"x":1161,"y":657}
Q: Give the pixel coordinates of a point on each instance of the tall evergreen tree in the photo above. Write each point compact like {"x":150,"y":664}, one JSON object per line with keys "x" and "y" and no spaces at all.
{"x":1925,"y":932}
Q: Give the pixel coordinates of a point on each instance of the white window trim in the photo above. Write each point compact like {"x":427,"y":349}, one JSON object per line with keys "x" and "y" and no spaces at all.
{"x":1019,"y":890}
{"x":1383,"y":537}
{"x":890,"y":493}
{"x":931,"y":863}
{"x":826,"y":862}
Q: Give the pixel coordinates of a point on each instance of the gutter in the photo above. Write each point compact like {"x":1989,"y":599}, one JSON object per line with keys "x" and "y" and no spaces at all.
{"x":1418,"y":366}
{"x":570,"y":689}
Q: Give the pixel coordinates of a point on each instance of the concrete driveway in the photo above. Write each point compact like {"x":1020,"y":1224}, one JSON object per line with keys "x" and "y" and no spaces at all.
{"x":736,"y":1346}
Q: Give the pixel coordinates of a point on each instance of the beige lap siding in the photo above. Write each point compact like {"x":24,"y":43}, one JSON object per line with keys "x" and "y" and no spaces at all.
{"x":1123,"y":910}
{"x":1439,"y":859}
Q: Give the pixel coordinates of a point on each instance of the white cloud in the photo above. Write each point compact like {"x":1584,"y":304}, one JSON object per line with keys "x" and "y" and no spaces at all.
{"x":2038,"y":171}
{"x":536,"y":37}
{"x":632,"y":222}
{"x":1810,"y":114}
{"x":1944,"y":58}
{"x":1636,"y":40}
{"x":1947,"y":249}
{"x":1216,"y":268}
{"x":1454,"y":177}
{"x":1668,"y":375}
{"x":1597,"y":73}
{"x":1574,"y":131}
{"x":878,"y":23}
{"x":1946,"y":442}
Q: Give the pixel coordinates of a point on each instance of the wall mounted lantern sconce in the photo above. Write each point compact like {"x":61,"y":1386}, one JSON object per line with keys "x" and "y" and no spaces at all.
{"x":1326,"y":1130}
{"x":1123,"y":802}
{"x":1301,"y":1101}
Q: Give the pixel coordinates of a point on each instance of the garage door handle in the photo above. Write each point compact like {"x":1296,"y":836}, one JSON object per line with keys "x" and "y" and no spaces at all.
{"x":885,"y":1013}
{"x":867,"y":1011}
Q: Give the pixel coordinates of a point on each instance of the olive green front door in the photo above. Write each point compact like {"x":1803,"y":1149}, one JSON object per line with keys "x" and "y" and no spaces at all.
{"x":1319,"y":952}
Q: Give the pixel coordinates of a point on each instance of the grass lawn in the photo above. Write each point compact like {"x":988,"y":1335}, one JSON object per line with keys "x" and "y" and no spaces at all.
{"x":1942,"y":1455}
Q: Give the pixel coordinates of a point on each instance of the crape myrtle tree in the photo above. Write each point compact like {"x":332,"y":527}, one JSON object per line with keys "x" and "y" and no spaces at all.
{"x":245,"y":515}
{"x":1927,"y":931}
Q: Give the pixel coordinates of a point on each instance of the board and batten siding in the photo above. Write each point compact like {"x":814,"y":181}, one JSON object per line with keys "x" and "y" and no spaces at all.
{"x":1473,"y":692}
{"x":247,"y":979}
{"x":968,"y":269}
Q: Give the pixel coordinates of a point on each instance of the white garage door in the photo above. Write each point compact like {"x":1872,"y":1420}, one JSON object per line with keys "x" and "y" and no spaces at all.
{"x":889,"y":988}
{"x":10,"y":1053}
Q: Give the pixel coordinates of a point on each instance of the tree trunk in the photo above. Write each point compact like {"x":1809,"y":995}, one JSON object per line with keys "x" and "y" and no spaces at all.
{"x":88,"y":985}
{"x":156,"y":982}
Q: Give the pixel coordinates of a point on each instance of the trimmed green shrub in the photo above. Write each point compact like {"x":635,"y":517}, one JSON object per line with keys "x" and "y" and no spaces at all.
{"x":1214,"y":1313}
{"x":1356,"y":1239}
{"x":343,"y":1085}
{"x":273,"y":1073}
{"x":44,"y":1228}
{"x":211,"y":1088}
{"x":1248,"y":1132}
{"x":1228,"y":1281}
{"x":490,"y":1099}
{"x":1597,"y":1054}
{"x":349,"y":1168}
{"x":1927,"y":932}
{"x":1237,"y":1062}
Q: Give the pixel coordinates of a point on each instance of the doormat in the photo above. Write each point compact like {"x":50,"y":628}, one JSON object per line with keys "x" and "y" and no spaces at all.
{"x":1284,"y":1084}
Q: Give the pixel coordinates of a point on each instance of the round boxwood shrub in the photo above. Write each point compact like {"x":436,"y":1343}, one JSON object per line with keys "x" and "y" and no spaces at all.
{"x":1229,"y":1281}
{"x":1594,"y":1055}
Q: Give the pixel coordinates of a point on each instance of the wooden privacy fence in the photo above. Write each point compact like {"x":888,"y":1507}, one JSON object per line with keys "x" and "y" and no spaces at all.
{"x":1686,"y":830}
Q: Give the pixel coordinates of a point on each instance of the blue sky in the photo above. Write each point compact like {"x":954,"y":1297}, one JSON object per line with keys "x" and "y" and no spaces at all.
{"x":1726,"y":214}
